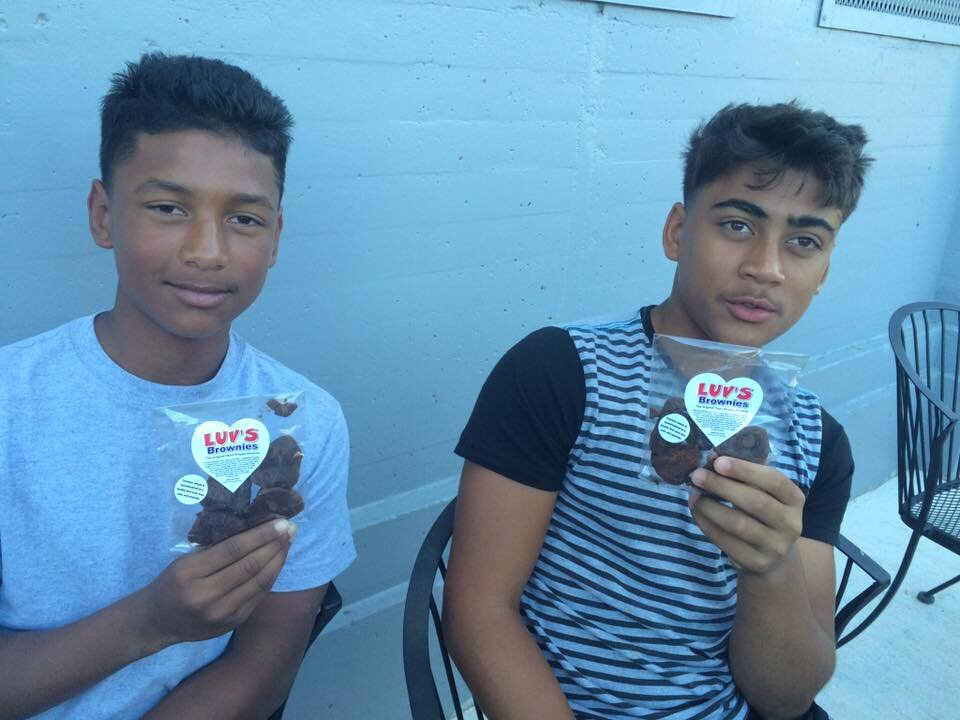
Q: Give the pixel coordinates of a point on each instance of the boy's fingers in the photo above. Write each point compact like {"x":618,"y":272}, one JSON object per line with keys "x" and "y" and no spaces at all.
{"x":234,"y":549}
{"x":248,"y":567}
{"x":763,"y":477}
{"x":741,"y":555}
{"x":252,"y":590}
{"x":732,"y":522}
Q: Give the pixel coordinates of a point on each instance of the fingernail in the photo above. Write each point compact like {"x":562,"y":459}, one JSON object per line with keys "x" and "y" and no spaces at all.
{"x":723,"y":465}
{"x":697,"y":476}
{"x":281,"y":526}
{"x":292,"y":530}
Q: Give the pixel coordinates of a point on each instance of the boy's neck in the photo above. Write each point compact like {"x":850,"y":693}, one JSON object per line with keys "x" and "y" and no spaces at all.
{"x":156,"y":356}
{"x":668,"y":319}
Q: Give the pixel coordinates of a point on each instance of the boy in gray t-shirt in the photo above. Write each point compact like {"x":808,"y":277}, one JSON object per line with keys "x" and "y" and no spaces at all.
{"x":94,"y":619}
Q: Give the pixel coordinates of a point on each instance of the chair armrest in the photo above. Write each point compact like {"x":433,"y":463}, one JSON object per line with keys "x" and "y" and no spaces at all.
{"x":880,"y":581}
{"x":332,"y":602}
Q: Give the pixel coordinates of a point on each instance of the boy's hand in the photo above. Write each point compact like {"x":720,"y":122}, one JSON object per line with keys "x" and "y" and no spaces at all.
{"x":759,"y":530}
{"x":212,"y":591}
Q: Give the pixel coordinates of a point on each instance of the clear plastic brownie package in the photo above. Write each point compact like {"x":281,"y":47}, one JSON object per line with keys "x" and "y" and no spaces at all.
{"x":231,"y":465}
{"x":711,"y":399}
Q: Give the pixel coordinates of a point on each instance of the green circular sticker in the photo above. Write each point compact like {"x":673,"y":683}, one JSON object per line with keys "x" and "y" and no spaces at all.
{"x":190,"y":489}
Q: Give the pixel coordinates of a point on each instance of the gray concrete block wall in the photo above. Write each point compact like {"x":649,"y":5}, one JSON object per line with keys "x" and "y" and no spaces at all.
{"x":463,"y":172}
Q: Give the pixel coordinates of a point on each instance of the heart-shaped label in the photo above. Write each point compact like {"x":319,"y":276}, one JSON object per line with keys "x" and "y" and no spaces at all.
{"x":229,"y":454}
{"x":722,"y":408}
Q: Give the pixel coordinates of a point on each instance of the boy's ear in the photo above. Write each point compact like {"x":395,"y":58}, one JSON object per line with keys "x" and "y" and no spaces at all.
{"x":823,"y":279}
{"x":671,"y":231}
{"x":98,"y":215}
{"x":276,"y":238}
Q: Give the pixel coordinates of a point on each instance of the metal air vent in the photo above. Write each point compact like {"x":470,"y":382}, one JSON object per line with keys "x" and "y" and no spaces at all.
{"x":930,"y":20}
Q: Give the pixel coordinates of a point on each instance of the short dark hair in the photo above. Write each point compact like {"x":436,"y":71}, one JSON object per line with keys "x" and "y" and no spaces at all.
{"x":169,"y":93}
{"x":778,"y":138}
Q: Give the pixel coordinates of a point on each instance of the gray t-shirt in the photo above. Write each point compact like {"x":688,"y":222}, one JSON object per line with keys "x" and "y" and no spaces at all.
{"x":85,"y":519}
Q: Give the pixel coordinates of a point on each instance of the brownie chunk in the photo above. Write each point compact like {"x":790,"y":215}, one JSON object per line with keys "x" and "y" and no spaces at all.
{"x":751,"y":444}
{"x":220,"y":498}
{"x":213,"y":526}
{"x":281,"y":408}
{"x":273,"y":503}
{"x":675,"y":461}
{"x":281,"y":466}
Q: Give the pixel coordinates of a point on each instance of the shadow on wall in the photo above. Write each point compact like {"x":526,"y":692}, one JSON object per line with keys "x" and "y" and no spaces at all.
{"x":948,"y":286}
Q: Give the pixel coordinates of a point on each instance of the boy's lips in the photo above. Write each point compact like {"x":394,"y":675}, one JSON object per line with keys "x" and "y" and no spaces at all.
{"x":750,"y":309}
{"x":200,"y":296}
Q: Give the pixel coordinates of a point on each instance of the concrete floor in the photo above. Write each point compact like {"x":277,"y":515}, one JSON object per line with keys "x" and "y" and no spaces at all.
{"x":906,"y":665}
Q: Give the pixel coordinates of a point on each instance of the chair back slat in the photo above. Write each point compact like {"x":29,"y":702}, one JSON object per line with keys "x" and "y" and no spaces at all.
{"x":926,"y":342}
{"x":433,"y":695}
{"x":445,"y":656}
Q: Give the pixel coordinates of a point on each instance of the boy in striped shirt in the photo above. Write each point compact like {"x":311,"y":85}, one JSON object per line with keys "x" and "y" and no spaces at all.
{"x":578,"y":589}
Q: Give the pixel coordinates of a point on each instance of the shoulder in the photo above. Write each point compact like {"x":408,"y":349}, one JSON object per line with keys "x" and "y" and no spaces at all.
{"x":548,"y":345}
{"x":831,"y":427}
{"x":834,"y":444}
{"x":44,"y":343}
{"x":545,"y":359}
{"x":269,"y":375}
{"x":34,"y":357}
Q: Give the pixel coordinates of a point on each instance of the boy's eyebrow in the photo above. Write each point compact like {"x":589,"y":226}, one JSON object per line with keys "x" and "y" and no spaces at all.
{"x":799,"y":221}
{"x":156,"y":184}
{"x":747,"y":207}
{"x":805,"y":221}
{"x":248,"y":199}
{"x":168,"y":186}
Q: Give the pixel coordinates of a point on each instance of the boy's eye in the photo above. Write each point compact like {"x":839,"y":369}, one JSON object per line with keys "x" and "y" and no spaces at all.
{"x":737,"y":226}
{"x":806,"y":243}
{"x":166,"y":209}
{"x":246,"y":220}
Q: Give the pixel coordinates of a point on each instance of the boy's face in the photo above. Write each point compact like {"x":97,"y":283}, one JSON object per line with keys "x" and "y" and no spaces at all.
{"x":193,"y":219}
{"x":748,"y":261}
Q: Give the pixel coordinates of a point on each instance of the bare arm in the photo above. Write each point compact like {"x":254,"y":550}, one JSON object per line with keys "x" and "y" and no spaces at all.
{"x":256,"y":672}
{"x":198,"y":597}
{"x":782,"y":646}
{"x":499,"y":530}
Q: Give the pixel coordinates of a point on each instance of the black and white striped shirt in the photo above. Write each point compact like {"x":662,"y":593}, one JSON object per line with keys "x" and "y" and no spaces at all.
{"x":631,"y":605}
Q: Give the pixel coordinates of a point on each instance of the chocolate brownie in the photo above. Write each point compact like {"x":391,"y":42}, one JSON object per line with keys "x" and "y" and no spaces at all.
{"x":220,"y":498}
{"x":751,"y":444}
{"x":281,"y":466}
{"x":281,"y":408}
{"x":272,"y":503}
{"x":674,"y":461}
{"x":215,"y":525}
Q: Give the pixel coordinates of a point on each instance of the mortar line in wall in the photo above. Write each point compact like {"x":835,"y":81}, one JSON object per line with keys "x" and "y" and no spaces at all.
{"x":375,"y":63}
{"x":863,"y":399}
{"x":403,"y":503}
{"x":360,"y":610}
{"x":846,"y":353}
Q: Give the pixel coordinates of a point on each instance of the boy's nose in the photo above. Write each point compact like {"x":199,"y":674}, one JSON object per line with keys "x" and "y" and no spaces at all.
{"x":763,"y":262}
{"x":204,"y":246}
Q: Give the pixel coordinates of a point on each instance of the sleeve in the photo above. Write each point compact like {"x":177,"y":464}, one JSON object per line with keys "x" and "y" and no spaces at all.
{"x":323,"y":547}
{"x":827,"y":500}
{"x":529,"y":411}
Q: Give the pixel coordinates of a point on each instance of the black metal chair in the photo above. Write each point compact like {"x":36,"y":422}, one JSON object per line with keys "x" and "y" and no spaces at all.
{"x":332,"y":602}
{"x":925,"y":338}
{"x":422,"y":610}
{"x":877,"y":580}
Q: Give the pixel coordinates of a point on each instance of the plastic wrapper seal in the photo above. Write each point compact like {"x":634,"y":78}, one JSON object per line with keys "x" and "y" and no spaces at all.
{"x":232,"y":465}
{"x":709,"y":399}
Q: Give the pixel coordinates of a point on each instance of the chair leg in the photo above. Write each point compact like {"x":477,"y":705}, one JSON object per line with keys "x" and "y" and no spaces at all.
{"x":891,"y":591}
{"x":926,"y":596}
